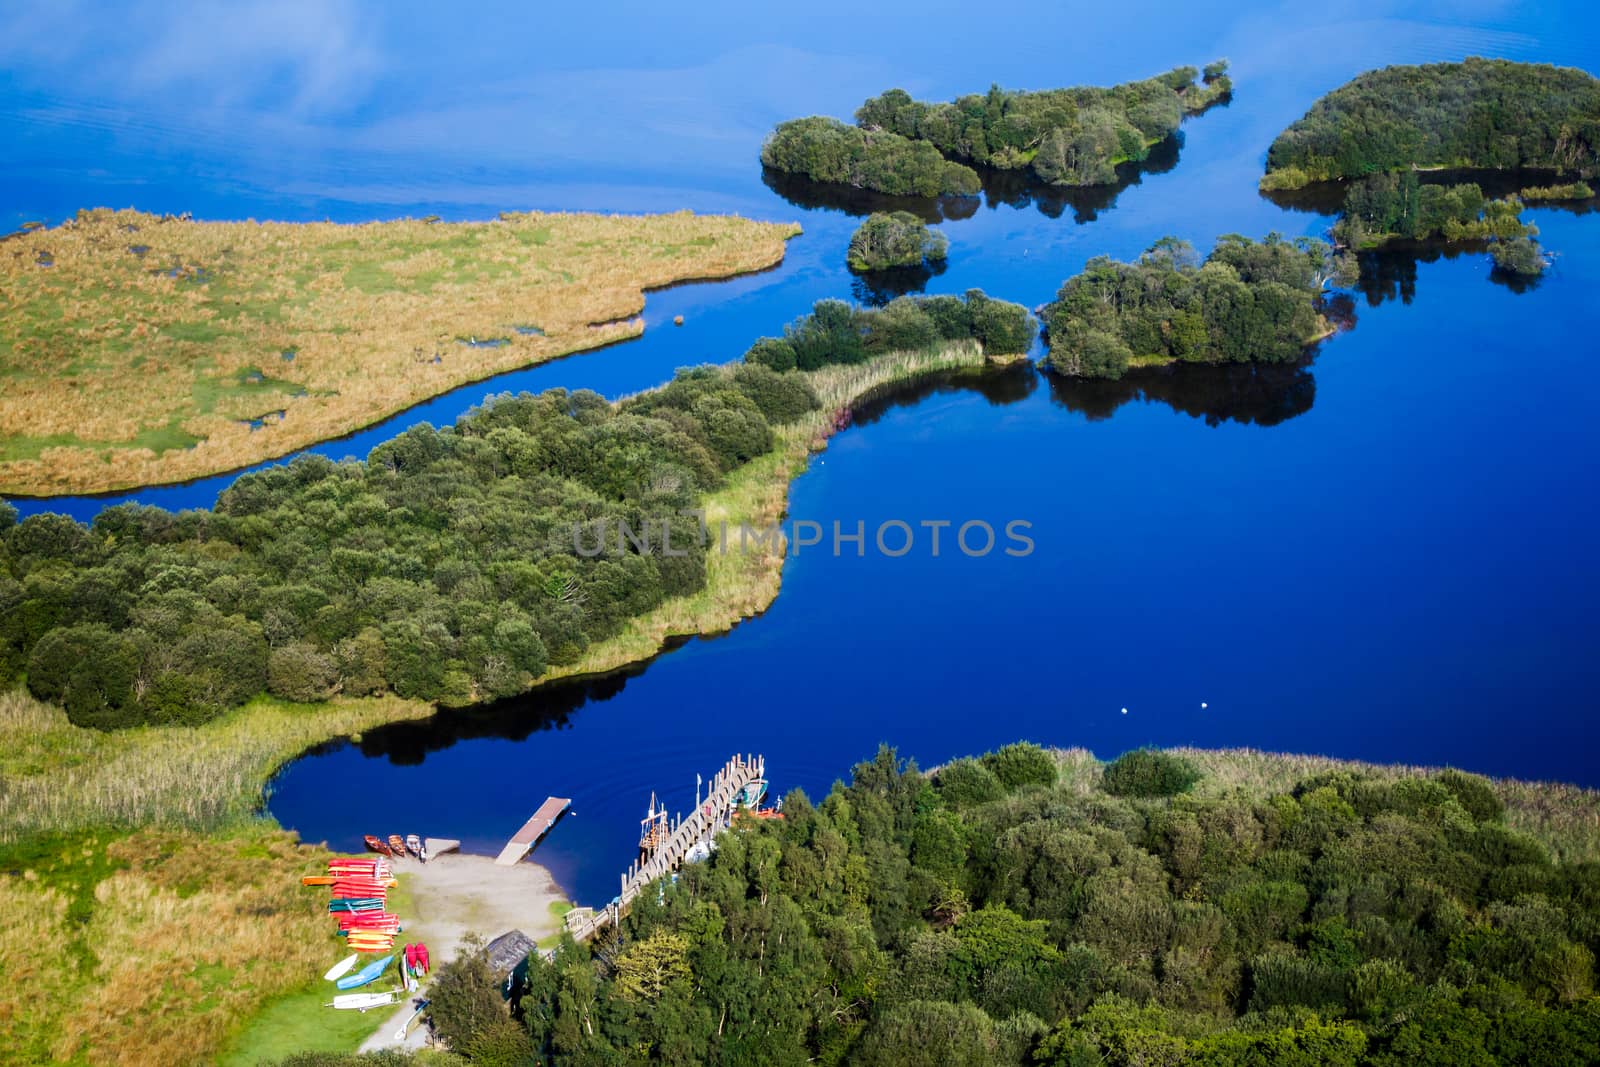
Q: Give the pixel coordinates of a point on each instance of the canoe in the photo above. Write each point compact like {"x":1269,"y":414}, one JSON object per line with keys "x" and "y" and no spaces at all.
{"x":367,"y":974}
{"x":368,"y":940}
{"x":350,"y":904}
{"x":376,"y":844}
{"x":340,"y":969}
{"x":363,"y":1001}
{"x":317,"y":879}
{"x":397,"y":844}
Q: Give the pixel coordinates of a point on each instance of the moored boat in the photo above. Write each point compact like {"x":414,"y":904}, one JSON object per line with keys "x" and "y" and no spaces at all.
{"x":397,"y":845}
{"x":414,"y":846}
{"x":376,"y":844}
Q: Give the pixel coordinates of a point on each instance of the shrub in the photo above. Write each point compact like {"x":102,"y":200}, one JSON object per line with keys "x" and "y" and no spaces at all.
{"x":1474,"y":793}
{"x":781,"y":397}
{"x":300,"y":672}
{"x":894,"y":239}
{"x":772,"y":352}
{"x":1149,"y":772}
{"x":1021,"y":764}
{"x":966,"y":783}
{"x":1519,"y":256}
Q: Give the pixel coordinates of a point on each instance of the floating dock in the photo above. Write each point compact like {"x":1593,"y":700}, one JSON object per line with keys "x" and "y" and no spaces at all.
{"x":532,"y":830}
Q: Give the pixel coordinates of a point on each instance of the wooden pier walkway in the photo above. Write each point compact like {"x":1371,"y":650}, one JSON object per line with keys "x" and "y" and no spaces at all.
{"x":535,"y":828}
{"x":715,"y":814}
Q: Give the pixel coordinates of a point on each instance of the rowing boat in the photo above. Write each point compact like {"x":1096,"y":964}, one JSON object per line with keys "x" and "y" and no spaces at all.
{"x":340,"y":969}
{"x":376,"y":844}
{"x":397,"y":845}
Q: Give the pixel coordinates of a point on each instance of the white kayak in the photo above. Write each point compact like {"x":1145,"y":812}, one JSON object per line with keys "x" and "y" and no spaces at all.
{"x":340,"y":969}
{"x":363,"y":1001}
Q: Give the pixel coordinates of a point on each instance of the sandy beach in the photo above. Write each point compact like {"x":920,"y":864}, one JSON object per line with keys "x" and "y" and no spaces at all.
{"x":453,"y":895}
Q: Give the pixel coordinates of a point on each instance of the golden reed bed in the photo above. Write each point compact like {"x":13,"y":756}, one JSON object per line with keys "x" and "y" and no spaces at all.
{"x":136,"y":349}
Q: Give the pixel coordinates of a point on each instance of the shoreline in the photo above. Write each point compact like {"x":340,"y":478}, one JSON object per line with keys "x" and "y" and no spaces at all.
{"x":209,"y":776}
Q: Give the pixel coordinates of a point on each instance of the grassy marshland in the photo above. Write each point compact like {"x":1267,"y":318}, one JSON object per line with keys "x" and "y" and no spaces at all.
{"x":150,"y":947}
{"x":136,"y":349}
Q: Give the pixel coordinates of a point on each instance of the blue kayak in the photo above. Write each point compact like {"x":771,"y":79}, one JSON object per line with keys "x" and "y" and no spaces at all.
{"x":369,"y":973}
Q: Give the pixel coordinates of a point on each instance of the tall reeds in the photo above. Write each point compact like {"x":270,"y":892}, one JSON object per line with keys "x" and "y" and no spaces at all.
{"x":157,"y":349}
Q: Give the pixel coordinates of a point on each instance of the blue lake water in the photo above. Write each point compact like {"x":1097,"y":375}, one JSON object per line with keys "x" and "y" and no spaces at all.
{"x":1387,"y":554}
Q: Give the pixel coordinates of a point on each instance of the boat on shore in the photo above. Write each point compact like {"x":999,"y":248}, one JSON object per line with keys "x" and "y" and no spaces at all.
{"x":340,"y":969}
{"x":365,"y":975}
{"x":363,"y":1001}
{"x":414,"y":846}
{"x":376,"y":844}
{"x":397,"y":846}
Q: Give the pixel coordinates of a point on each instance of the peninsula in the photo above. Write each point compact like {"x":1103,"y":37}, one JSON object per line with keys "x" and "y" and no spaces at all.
{"x":138,"y":349}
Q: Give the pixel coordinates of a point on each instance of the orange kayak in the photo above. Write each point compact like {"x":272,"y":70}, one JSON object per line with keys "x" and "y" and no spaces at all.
{"x":317,"y":879}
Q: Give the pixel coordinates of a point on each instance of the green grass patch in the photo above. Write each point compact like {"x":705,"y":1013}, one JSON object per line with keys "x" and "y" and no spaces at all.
{"x":301,"y":1022}
{"x":196,"y":332}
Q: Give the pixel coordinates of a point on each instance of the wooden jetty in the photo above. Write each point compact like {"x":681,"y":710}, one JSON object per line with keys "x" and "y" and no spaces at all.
{"x":714,"y":815}
{"x":535,"y":828}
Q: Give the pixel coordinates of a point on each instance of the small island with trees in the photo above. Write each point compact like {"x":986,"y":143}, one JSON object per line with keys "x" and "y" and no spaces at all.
{"x":890,"y":240}
{"x":1479,"y":113}
{"x":1067,"y":137}
{"x":1247,"y":301}
{"x":1382,"y":129}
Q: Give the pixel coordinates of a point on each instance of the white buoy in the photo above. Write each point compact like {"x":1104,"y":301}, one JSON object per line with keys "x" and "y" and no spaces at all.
{"x":1202,"y":705}
{"x":1124,"y":711}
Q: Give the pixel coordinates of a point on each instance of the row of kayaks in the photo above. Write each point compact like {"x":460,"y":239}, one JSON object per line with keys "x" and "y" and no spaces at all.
{"x":398,"y":846}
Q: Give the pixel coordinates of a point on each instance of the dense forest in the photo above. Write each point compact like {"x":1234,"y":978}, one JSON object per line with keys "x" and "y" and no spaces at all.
{"x":1478,"y":113}
{"x":1248,"y":301}
{"x":1010,"y":910}
{"x":890,"y":239}
{"x":452,"y":564}
{"x":1069,"y":137}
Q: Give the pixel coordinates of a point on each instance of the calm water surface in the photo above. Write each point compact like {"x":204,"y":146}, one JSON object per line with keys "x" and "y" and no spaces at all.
{"x":1385,"y":554}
